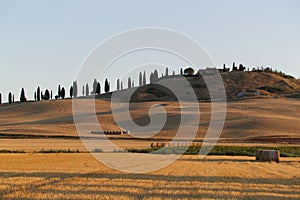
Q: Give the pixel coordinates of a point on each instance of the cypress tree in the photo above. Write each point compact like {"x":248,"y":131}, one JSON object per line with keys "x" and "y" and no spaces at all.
{"x":59,"y":92}
{"x":71,"y":91}
{"x":9,"y":98}
{"x":129,"y":82}
{"x":47,"y":95}
{"x":51,"y":95}
{"x":38,"y":94}
{"x":63,"y":93}
{"x":98,"y":89}
{"x":121,"y":85}
{"x":0,"y":98}
{"x":155,"y":76}
{"x":234,"y":68}
{"x":87,"y":90}
{"x":167,"y":71}
{"x":94,"y":86}
{"x":118,"y":84}
{"x":35,"y":96}
{"x":75,"y":89}
{"x":140,"y":79}
{"x":83,"y":93}
{"x":22,"y":96}
{"x":106,"y":86}
{"x":144,"y":78}
{"x":151,"y":77}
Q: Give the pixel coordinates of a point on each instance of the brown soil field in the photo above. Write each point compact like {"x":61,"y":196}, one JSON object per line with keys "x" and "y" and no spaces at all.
{"x":80,"y":176}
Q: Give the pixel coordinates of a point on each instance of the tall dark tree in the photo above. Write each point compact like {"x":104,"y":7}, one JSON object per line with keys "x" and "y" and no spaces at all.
{"x":51,"y":95}
{"x":106,"y":86}
{"x":132,"y":84}
{"x":118,"y":84}
{"x":181,"y":71}
{"x":42,"y":95}
{"x":173,"y":73}
{"x":83,"y":92}
{"x":9,"y":98}
{"x":234,"y":68}
{"x":35,"y":96}
{"x":47,"y":95}
{"x":225,"y":69}
{"x":140,"y":79}
{"x":121,"y":85}
{"x":129,"y":82}
{"x":144,"y":78}
{"x":38,"y":94}
{"x":0,"y":98}
{"x":22,"y":96}
{"x":71,"y":91}
{"x":63,"y":93}
{"x":75,"y":89}
{"x":98,"y":89}
{"x":94,"y":86}
{"x":13,"y":98}
{"x":167,"y":71}
{"x":152,"y":78}
{"x":155,"y":75}
{"x":87,"y":90}
{"x":59,"y":92}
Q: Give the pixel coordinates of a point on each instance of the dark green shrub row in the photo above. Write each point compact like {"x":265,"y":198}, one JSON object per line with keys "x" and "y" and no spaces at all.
{"x":285,"y":151}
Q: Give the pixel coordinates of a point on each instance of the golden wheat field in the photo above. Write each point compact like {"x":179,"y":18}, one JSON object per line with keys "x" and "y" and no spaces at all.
{"x":80,"y":176}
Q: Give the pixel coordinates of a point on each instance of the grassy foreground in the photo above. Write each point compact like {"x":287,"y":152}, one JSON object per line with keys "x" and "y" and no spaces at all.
{"x":80,"y":176}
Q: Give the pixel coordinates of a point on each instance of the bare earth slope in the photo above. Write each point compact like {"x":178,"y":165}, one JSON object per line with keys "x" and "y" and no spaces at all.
{"x":237,"y":85}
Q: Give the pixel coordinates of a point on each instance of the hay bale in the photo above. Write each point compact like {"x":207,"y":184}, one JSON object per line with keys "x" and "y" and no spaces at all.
{"x":267,"y":155}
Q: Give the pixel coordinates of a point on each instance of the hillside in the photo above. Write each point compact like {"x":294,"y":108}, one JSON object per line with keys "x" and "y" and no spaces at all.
{"x":238,"y":85}
{"x":257,"y":119}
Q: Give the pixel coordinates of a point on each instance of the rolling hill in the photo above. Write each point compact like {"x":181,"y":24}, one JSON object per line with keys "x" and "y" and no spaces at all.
{"x":238,"y":85}
{"x":248,"y":120}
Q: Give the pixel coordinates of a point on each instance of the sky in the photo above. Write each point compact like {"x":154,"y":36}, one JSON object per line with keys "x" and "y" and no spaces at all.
{"x":43,"y":43}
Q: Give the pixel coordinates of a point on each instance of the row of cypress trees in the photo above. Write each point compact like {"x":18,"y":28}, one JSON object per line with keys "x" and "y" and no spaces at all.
{"x":73,"y":91}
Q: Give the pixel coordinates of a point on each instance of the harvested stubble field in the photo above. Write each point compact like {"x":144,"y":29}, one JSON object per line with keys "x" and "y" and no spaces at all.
{"x":80,"y":176}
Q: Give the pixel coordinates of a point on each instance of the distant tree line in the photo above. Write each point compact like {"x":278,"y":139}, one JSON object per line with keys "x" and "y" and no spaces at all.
{"x":47,"y":94}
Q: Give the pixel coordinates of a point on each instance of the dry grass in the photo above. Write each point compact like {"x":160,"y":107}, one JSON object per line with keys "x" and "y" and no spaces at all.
{"x":80,"y":176}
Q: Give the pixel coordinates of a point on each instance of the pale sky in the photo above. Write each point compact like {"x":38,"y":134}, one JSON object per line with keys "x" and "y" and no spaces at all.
{"x":44,"y":42}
